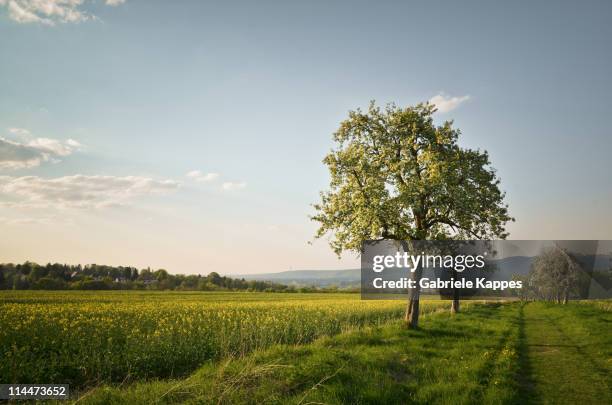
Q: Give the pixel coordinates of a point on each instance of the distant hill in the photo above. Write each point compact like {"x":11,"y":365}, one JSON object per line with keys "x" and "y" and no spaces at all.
{"x":506,"y":268}
{"x":522,"y":264}
{"x":318,"y":278}
{"x":509,"y":266}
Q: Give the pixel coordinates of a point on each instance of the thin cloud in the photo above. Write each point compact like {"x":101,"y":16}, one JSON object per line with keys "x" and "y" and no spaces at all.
{"x":230,"y":186}
{"x":80,"y":191}
{"x":21,"y":155}
{"x":50,"y":12}
{"x":27,"y":221}
{"x":203,"y":177}
{"x":19,"y":131}
{"x":445,"y":103}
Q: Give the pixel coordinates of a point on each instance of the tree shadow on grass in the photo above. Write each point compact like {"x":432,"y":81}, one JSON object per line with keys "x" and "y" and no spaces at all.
{"x":526,"y":393}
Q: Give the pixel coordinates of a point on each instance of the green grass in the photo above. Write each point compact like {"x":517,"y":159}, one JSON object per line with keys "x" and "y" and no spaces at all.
{"x":567,"y":354}
{"x":492,"y":354}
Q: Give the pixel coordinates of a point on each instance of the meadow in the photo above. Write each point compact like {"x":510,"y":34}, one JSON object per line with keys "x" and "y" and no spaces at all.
{"x":201,"y":348}
{"x":492,"y":353}
{"x":88,"y":338}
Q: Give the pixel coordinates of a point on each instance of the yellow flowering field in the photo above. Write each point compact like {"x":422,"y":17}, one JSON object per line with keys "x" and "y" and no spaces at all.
{"x":84,"y":338}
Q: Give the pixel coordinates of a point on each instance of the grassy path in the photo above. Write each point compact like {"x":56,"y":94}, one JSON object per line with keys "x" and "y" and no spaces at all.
{"x":565,"y":354}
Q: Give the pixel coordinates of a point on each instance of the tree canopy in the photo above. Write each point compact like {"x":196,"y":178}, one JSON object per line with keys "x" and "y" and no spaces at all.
{"x":396,"y":175}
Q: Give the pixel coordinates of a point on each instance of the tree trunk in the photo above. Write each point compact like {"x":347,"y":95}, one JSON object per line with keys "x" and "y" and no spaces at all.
{"x":566,"y":297}
{"x":412,"y":310}
{"x":455,"y":304}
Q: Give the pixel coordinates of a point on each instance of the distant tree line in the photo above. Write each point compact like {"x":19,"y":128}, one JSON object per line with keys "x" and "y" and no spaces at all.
{"x":55,"y":276}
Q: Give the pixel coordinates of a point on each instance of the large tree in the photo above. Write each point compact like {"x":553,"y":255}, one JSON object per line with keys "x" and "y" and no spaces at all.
{"x":396,"y":175}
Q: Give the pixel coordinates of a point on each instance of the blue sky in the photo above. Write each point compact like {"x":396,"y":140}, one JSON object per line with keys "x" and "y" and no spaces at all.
{"x":104,"y":109}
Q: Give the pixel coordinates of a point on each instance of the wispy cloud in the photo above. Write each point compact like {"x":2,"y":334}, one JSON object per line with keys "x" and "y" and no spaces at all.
{"x":230,"y":185}
{"x":446,"y":103}
{"x":204,"y":177}
{"x":27,"y":221}
{"x":79,"y":191}
{"x":18,"y":131}
{"x":50,"y":12}
{"x":198,"y":175}
{"x":31,"y":153}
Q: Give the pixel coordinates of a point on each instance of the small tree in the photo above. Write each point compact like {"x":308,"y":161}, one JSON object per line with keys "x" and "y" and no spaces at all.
{"x":396,"y":175}
{"x":554,"y":275}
